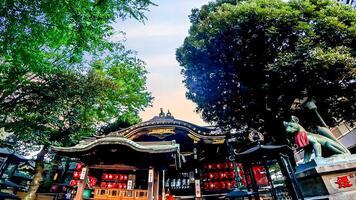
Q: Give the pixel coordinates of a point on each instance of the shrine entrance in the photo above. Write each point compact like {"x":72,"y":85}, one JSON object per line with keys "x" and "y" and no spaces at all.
{"x":115,"y":168}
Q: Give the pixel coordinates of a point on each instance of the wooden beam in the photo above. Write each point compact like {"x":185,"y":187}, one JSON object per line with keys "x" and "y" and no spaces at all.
{"x":116,"y":167}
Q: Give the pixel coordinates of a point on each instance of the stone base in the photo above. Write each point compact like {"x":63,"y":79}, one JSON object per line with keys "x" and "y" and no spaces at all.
{"x":328,"y":178}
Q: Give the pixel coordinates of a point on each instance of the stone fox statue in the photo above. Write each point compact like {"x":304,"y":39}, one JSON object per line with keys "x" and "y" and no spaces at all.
{"x":304,"y":139}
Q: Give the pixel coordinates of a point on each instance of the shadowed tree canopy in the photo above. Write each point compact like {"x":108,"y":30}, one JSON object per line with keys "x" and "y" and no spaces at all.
{"x":61,"y":75}
{"x":245,"y":63}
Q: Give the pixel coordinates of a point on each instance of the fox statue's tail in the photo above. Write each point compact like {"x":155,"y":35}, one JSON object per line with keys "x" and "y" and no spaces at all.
{"x":327,"y":133}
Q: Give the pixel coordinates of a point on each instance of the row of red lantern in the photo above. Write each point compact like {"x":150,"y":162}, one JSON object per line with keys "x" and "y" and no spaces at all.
{"x":92,"y":182}
{"x":219,"y":175}
{"x":113,"y":185}
{"x":219,"y":185}
{"x":219,"y":166}
{"x":120,"y":177}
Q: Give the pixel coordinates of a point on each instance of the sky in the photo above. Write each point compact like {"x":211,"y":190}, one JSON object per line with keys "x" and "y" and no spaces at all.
{"x":155,"y":43}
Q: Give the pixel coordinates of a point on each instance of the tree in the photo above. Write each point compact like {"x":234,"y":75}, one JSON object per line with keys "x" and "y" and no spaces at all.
{"x":245,"y":63}
{"x":61,"y":77}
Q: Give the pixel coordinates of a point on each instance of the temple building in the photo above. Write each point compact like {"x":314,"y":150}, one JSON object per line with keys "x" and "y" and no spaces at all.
{"x":159,"y":158}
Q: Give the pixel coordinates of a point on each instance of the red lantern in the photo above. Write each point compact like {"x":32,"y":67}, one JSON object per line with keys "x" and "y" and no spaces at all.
{"x":233,"y":183}
{"x":115,"y":176}
{"x":73,"y":183}
{"x":211,"y":185}
{"x":206,"y":185}
{"x":222,"y":185}
{"x":221,"y":175}
{"x":110,"y":185}
{"x":79,"y":166}
{"x":121,"y":177}
{"x":232,"y":175}
{"x":105,"y":176}
{"x":124,"y":185}
{"x":213,"y":166}
{"x":125,"y":177}
{"x":110,"y":177}
{"x":210,"y":166}
{"x":217,"y":185}
{"x":216,"y":175}
{"x":76,"y":175}
{"x":228,"y":184}
{"x":231,"y":165}
{"x":103,"y":184}
{"x":210,"y":176}
{"x":218,"y":166}
{"x":226,"y":174}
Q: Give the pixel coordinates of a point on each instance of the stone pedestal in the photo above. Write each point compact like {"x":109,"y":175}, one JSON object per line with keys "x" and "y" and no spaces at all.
{"x":328,"y":178}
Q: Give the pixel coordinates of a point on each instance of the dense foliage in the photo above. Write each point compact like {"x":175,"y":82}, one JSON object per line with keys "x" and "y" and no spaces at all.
{"x":245,"y":63}
{"x":61,"y":77}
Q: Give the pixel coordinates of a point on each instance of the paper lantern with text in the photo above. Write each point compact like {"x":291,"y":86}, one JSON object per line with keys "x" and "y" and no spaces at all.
{"x":79,"y":166}
{"x":76,"y":175}
{"x":73,"y":183}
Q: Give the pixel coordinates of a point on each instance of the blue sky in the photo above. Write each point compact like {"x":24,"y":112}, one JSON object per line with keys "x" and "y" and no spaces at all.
{"x":156,"y":42}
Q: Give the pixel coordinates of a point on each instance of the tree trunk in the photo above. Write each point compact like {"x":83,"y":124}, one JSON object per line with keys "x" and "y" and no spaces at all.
{"x":37,"y":178}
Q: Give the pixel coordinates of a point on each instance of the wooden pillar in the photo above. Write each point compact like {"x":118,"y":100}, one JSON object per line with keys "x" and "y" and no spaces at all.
{"x":163,"y":185}
{"x":150,"y":184}
{"x":156,"y":185}
{"x":82,"y":182}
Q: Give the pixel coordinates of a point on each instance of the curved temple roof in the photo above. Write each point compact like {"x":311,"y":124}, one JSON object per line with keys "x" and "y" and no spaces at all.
{"x":147,"y":147}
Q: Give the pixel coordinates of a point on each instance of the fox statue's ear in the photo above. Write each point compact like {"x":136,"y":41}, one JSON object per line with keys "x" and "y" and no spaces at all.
{"x":285,"y":124}
{"x":295,"y":119}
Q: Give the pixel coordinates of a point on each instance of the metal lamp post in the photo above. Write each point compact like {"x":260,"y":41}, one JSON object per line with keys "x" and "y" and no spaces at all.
{"x":311,"y":106}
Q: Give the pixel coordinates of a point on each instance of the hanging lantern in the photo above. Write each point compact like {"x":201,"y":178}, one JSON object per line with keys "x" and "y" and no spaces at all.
{"x":110,"y":185}
{"x":121,"y":177}
{"x":110,"y":177}
{"x":124,"y":185}
{"x":210,"y":166}
{"x":105,"y":176}
{"x":125,"y":177}
{"x":233,"y":183}
{"x":217,"y":185}
{"x":76,"y":175}
{"x":103,"y":185}
{"x":79,"y":166}
{"x":211,"y":186}
{"x":231,"y":165}
{"x":218,"y":166}
{"x":232,"y":175}
{"x":213,"y":166}
{"x":226,"y":174}
{"x":222,"y":185}
{"x":216,"y":175}
{"x":221,"y":175}
{"x":210,"y":176}
{"x":228,"y":184}
{"x":206,"y":186}
{"x":73,"y":183}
